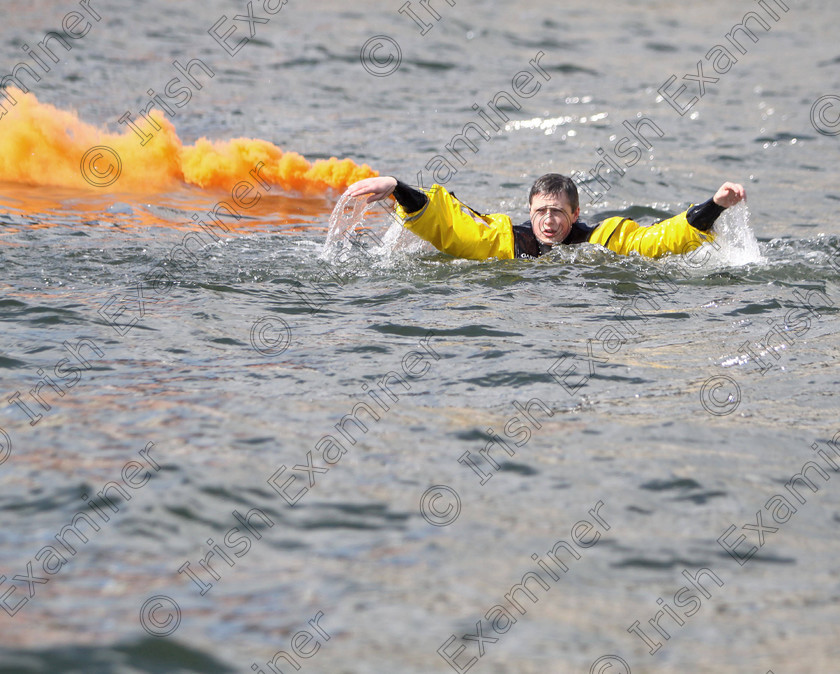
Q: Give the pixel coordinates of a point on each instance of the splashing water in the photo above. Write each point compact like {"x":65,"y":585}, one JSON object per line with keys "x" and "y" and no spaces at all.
{"x":734,"y":245}
{"x":348,"y":214}
{"x":735,"y":241}
{"x":43,"y":145}
{"x":374,"y":229}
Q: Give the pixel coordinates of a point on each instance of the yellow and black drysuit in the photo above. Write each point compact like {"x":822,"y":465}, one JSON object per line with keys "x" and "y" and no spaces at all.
{"x":452,"y":227}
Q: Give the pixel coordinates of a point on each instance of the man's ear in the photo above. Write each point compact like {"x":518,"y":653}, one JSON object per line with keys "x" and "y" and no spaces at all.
{"x":576,"y":214}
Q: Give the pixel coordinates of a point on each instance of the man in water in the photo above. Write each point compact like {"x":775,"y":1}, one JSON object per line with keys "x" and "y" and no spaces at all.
{"x":452,"y":227}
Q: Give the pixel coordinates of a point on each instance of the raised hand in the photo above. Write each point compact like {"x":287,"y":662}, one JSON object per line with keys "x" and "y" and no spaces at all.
{"x":728,"y":194}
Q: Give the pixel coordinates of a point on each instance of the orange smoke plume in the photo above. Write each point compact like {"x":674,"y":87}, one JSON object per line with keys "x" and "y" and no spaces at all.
{"x":43,"y":145}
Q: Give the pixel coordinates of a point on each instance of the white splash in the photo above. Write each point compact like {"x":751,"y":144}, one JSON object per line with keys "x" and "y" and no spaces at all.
{"x":368,"y":232}
{"x":735,"y":244}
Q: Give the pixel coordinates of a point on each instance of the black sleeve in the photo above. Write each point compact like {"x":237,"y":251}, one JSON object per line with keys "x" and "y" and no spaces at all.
{"x":703,"y":216}
{"x":524,"y":242}
{"x":410,"y":199}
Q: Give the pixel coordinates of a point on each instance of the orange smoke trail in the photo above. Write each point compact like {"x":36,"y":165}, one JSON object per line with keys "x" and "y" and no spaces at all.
{"x":43,"y":145}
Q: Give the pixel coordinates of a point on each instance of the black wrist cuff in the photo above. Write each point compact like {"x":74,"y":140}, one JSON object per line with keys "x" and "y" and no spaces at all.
{"x":409,"y":198}
{"x":703,"y":216}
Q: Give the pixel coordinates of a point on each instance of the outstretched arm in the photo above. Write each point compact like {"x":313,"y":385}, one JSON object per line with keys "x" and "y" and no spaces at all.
{"x":438,"y":217}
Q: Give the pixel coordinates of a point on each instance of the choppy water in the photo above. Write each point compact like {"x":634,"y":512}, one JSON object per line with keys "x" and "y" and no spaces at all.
{"x":681,"y":395}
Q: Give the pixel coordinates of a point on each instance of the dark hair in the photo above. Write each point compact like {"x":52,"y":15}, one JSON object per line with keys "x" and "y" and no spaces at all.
{"x":555,"y":184}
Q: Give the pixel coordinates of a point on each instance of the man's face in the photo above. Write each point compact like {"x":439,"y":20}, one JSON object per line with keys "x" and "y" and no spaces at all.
{"x":551,"y":217}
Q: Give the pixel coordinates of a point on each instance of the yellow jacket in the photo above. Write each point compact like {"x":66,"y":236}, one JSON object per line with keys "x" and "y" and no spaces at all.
{"x":456,"y":229}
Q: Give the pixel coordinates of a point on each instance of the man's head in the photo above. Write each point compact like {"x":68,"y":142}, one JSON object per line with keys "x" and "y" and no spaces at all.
{"x":554,"y":207}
